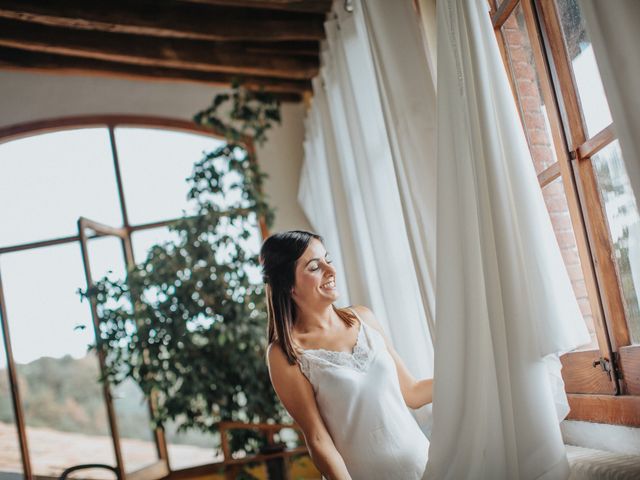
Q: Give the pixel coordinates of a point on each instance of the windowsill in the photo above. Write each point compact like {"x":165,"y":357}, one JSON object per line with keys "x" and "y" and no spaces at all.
{"x":611,"y":409}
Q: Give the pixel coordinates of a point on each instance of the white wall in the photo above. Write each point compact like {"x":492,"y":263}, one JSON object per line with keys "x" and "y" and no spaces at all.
{"x":26,"y":96}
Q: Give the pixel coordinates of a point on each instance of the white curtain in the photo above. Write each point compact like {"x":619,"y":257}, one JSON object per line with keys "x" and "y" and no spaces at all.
{"x":504,"y":304}
{"x":317,"y":203}
{"x":614,"y":29}
{"x":407,"y":92}
{"x":363,"y":174}
{"x":471,"y":206}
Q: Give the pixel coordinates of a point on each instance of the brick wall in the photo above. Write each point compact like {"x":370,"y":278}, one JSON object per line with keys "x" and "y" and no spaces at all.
{"x":522,"y":68}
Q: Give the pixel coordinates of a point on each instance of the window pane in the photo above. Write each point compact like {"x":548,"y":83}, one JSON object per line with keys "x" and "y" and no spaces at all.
{"x":10,"y":459}
{"x":191,"y":448}
{"x":132,"y":413}
{"x":556,"y":201}
{"x":143,"y":240}
{"x":529,"y":93}
{"x":595,"y":109}
{"x":50,"y":180}
{"x":61,"y":397}
{"x":624,"y":227}
{"x":155,"y":165}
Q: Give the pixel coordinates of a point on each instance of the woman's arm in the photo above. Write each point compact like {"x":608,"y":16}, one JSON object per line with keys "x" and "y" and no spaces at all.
{"x":296,"y":394}
{"x":328,"y":460}
{"x":416,"y":393}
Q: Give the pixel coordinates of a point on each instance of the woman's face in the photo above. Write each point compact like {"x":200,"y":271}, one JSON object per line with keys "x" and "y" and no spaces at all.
{"x":315,"y":276}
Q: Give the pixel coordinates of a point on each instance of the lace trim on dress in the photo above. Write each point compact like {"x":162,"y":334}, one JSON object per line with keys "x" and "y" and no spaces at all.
{"x":358,"y":359}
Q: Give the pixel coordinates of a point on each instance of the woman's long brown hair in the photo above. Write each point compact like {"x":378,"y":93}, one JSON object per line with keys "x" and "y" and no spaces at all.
{"x":278,"y":256}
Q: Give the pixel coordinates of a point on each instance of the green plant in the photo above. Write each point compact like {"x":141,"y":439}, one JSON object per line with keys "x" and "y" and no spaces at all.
{"x":188,"y":323}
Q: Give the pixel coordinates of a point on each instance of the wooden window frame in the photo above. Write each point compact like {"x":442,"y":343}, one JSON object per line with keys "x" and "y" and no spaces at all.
{"x":602,"y":385}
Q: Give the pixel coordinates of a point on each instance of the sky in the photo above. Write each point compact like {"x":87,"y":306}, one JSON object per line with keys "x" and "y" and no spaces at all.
{"x":48,"y":181}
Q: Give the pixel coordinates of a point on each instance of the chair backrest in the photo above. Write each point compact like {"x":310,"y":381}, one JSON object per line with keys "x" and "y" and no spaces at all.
{"x":86,"y":466}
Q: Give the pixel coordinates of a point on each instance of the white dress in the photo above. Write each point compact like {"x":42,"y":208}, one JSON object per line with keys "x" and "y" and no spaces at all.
{"x":359,"y":398}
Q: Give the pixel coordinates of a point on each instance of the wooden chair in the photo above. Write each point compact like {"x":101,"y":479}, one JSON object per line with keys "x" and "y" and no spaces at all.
{"x":232,"y":466}
{"x":86,"y":466}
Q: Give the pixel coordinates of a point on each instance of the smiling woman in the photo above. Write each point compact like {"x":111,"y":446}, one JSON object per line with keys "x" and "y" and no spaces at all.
{"x":349,"y":391}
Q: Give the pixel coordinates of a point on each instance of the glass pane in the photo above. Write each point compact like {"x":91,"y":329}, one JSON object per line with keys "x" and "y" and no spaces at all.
{"x":155,"y":165}
{"x":527,"y":84}
{"x":143,"y":240}
{"x":61,"y":397}
{"x":191,"y":448}
{"x":50,"y":180}
{"x":595,"y":109}
{"x":556,"y":201}
{"x":10,"y":459}
{"x":137,"y":443}
{"x":624,"y":227}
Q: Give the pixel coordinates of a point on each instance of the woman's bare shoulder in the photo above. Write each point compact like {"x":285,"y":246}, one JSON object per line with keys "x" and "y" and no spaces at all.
{"x":275,"y":352}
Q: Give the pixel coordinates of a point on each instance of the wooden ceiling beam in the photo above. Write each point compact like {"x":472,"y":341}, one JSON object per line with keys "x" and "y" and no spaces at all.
{"x":15,"y":59}
{"x":300,"y":49}
{"x":309,"y":6}
{"x":152,"y":51}
{"x":168,"y":18}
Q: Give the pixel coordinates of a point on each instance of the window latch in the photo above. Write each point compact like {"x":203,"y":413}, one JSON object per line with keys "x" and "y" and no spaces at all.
{"x":605,"y":365}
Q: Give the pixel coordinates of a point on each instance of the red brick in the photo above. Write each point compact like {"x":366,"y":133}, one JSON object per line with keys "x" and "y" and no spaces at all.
{"x":523,"y":70}
{"x":566,"y":239}
{"x":513,"y":37}
{"x":575,"y":272}
{"x":561,"y":221}
{"x":527,"y":88}
{"x":570,"y":257}
{"x":530,"y":104}
{"x":556,"y":204}
{"x":534,"y":119}
{"x":540,"y":138}
{"x":518,"y":53}
{"x":554,"y":188}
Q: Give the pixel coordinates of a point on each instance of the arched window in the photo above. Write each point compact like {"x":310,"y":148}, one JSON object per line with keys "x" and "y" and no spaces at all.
{"x":125,"y":175}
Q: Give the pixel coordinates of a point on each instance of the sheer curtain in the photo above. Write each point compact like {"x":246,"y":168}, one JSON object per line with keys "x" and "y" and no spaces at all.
{"x":448,"y":182}
{"x":363,"y":175}
{"x":504,"y":305}
{"x":407,"y":93}
{"x":316,"y":200}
